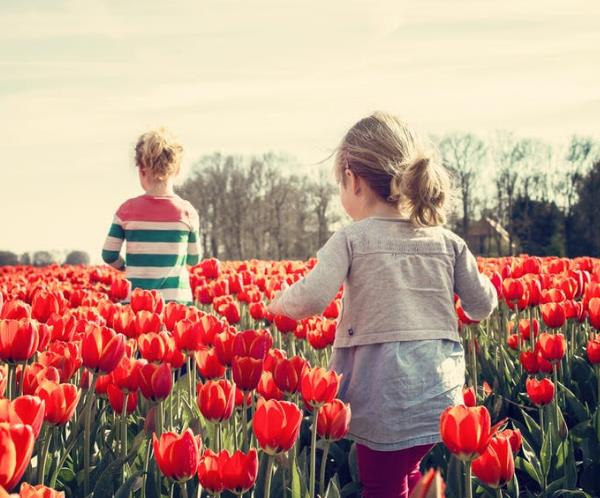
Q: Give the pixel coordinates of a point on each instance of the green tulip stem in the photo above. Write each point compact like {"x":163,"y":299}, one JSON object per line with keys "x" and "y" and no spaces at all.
{"x":313,"y":452}
{"x":235,"y":432}
{"x":473,"y":360}
{"x":597,"y":369}
{"x":268,"y":473}
{"x":146,"y":466}
{"x":183,"y":490}
{"x":468,"y":487}
{"x":124,"y":433}
{"x":244,"y":422}
{"x":188,"y":364}
{"x":159,"y":419}
{"x":47,"y":434}
{"x":11,"y":381}
{"x":218,"y":437}
{"x":555,"y":400}
{"x":89,"y":405}
{"x":498,"y":493}
{"x":323,"y":466}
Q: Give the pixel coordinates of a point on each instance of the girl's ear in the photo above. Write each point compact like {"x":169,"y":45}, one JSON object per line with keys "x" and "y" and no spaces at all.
{"x":355,"y":182}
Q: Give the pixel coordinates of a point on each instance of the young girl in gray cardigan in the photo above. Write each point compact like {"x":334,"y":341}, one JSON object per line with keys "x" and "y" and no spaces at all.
{"x":396,"y":345}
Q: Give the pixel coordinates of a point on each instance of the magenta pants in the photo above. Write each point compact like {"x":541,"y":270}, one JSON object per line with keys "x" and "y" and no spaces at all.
{"x":389,"y":474}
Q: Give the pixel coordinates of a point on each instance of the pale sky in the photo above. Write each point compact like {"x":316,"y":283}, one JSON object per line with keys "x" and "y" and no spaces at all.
{"x":80,"y":80}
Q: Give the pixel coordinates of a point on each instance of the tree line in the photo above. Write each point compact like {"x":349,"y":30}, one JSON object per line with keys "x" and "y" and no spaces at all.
{"x":542,"y":199}
{"x":543,"y":196}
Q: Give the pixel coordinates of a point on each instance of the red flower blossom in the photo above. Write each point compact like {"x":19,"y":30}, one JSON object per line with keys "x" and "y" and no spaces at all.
{"x":276,"y":425}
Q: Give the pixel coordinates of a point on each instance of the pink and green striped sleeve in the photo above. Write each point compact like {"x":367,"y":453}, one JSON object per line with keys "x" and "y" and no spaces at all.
{"x":193,"y":249}
{"x":113,"y":243}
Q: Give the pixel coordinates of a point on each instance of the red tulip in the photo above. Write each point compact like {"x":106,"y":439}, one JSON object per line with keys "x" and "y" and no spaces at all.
{"x":156,"y":381}
{"x":116,"y":398}
{"x":210,"y":268}
{"x":146,"y":322}
{"x":553,"y":315}
{"x":276,"y":425}
{"x":254,"y":343}
{"x":246,"y":372}
{"x":208,"y":364}
{"x":231,"y":312}
{"x":173,"y":313}
{"x":431,"y":485}
{"x":15,"y":310}
{"x":28,"y":410}
{"x":594,"y":312}
{"x":515,"y":438}
{"x":322,"y":334}
{"x":149,"y":300}
{"x":18,"y":340}
{"x":152,"y":347}
{"x":34,"y":374}
{"x":65,"y":357}
{"x":177,"y":456}
{"x":123,"y":321}
{"x":285,"y":324}
{"x":119,"y":289}
{"x":224,"y":343}
{"x":127,"y":374}
{"x":39,"y":491}
{"x":258,"y":311}
{"x":273,"y":356}
{"x":541,"y":392}
{"x":173,"y":355}
{"x":102,"y":349}
{"x":287,"y":373}
{"x":188,"y":336}
{"x":242,"y":398}
{"x":238,"y":471}
{"x":44,"y":304}
{"x":469,"y":397}
{"x":512,"y":341}
{"x":529,"y":362}
{"x":210,"y":326}
{"x":216,"y":400}
{"x":552,"y":346}
{"x":63,"y":327}
{"x":16,"y":447}
{"x":465,"y":431}
{"x":593,"y":350}
{"x":333,"y":420}
{"x":267,"y":387}
{"x":319,"y":386}
{"x":525,"y":328}
{"x":512,"y":290}
{"x":496,"y":465}
{"x":209,"y":472}
{"x":60,"y":401}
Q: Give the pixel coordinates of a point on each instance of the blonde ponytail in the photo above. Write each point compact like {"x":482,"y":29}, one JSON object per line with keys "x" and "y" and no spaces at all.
{"x":425,"y":186}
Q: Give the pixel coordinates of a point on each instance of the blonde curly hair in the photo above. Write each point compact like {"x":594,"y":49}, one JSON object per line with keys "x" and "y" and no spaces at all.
{"x":159,"y":154}
{"x":390,"y":157}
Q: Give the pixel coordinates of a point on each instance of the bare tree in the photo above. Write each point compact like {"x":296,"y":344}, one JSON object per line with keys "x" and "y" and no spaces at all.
{"x":463,"y":155}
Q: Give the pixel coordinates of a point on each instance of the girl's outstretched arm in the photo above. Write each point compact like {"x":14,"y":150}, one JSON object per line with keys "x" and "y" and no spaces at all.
{"x":477,"y":293}
{"x":311,"y":294}
{"x":112,"y":245}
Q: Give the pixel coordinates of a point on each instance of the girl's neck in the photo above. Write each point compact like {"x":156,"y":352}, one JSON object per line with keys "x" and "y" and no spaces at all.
{"x":160,"y":189}
{"x":379,"y":209}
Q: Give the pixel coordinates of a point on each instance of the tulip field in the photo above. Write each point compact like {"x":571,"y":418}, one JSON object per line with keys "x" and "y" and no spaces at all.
{"x":151,"y":399}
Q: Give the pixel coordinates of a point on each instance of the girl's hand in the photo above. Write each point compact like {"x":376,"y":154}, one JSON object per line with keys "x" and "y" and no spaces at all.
{"x":274,"y":306}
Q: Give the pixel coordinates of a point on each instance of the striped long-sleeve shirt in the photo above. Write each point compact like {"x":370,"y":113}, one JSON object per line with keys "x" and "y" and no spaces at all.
{"x":161,"y":235}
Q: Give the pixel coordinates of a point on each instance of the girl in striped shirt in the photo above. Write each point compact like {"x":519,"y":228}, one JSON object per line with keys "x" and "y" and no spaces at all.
{"x":159,"y":227}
